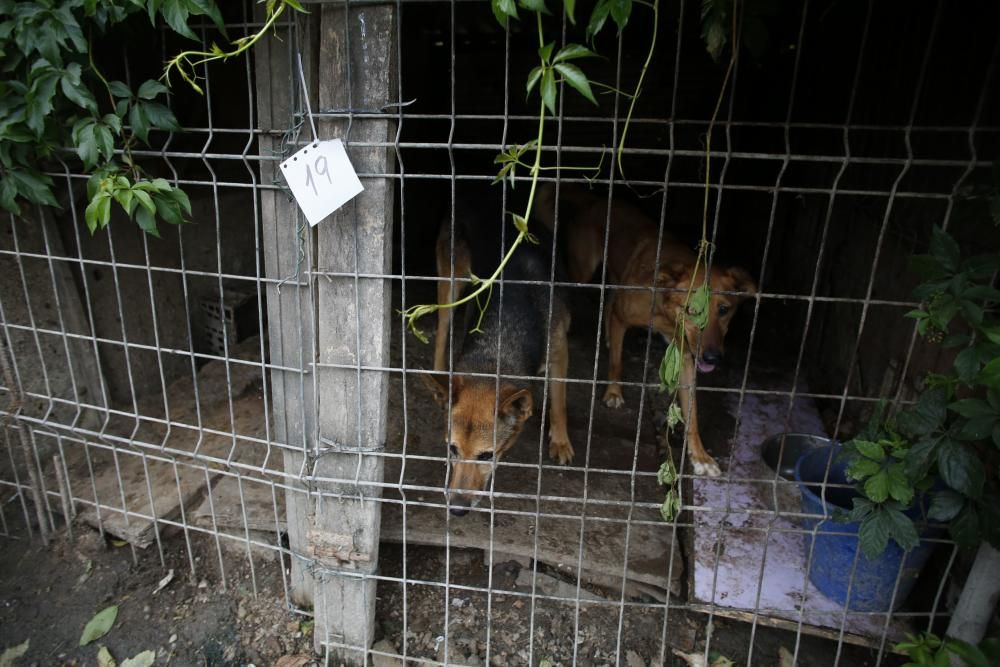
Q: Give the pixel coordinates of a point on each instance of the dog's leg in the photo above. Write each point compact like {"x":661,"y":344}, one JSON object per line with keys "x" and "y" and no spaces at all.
{"x":702,"y":462}
{"x":616,"y":334}
{"x":560,"y":448}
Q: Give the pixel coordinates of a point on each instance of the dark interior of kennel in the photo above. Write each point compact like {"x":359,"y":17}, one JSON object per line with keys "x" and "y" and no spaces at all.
{"x":845,"y":76}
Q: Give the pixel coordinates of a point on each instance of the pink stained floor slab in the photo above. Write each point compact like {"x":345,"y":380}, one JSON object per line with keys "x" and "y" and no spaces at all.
{"x":749,"y":553}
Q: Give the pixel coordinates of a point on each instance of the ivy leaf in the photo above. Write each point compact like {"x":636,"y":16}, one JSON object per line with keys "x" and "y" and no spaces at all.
{"x":75,"y":91}
{"x":146,"y":220}
{"x":921,"y":457}
{"x":160,"y":116}
{"x":33,"y":186}
{"x":960,"y":468}
{"x":570,"y":6}
{"x":598,"y":17}
{"x":869,"y":449}
{"x":572,"y":52}
{"x":113,"y":122}
{"x":945,"y":249}
{"x":98,"y":212}
{"x":620,"y":12}
{"x":945,"y":505}
{"x":575,"y":77}
{"x":978,"y":428}
{"x":150,"y":89}
{"x":175,"y":13}
{"x":533,"y":78}
{"x":900,"y":488}
{"x":119,"y":89}
{"x":990,"y":375}
{"x":104,"y":140}
{"x":877,"y":487}
{"x":862,"y":468}
{"x":548,"y":91}
{"x":670,"y":368}
{"x":927,"y":415}
{"x":967,"y":365}
{"x":901,"y":528}
{"x":534,"y":5}
{"x":964,"y":528}
{"x":86,"y":144}
{"x":502,"y":9}
{"x":873,"y":534}
{"x":139,"y":122}
{"x":545,"y":52}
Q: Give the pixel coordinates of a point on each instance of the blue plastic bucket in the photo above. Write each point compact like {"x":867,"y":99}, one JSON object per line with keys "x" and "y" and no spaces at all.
{"x":834,"y":555}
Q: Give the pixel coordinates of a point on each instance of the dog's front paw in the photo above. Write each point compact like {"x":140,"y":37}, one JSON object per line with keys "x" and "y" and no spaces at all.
{"x":560,"y":450}
{"x":706,"y":467}
{"x":613,"y":397}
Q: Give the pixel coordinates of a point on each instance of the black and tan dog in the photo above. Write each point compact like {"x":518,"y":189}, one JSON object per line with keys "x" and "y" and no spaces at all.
{"x":487,"y":414}
{"x":632,"y":261}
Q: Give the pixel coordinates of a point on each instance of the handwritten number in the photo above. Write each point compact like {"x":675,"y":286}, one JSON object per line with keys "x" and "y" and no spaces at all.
{"x":322,"y":170}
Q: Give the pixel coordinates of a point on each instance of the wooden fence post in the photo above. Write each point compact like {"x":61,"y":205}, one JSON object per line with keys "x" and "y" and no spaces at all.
{"x":357,"y":70}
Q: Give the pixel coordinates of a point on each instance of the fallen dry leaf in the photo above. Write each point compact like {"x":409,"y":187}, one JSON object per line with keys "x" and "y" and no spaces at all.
{"x":785,"y":657}
{"x":297,"y":660}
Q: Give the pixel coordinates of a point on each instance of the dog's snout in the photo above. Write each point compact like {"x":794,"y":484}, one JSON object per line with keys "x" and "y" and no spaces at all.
{"x":459,"y":506}
{"x":712,"y":355}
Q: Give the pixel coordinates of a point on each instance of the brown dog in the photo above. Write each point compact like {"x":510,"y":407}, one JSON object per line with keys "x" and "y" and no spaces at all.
{"x":486,"y":414}
{"x":632,"y":262}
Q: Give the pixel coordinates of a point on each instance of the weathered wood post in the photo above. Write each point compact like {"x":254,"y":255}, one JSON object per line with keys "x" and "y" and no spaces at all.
{"x":349,"y":61}
{"x":357,"y":72}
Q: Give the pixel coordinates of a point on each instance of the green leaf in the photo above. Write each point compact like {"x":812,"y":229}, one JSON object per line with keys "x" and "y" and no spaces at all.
{"x":900,"y":488}
{"x":927,"y":415}
{"x":667,"y":474}
{"x":114,"y":122}
{"x":982,"y":292}
{"x":126,"y":198}
{"x":972,"y":656}
{"x":175,"y":13}
{"x":992,"y":333}
{"x":99,"y":625}
{"x":160,"y":116}
{"x":575,"y":77}
{"x":570,"y":6}
{"x":978,"y":428}
{"x":901,"y":529}
{"x":967,"y":365}
{"x":945,"y":505}
{"x":119,"y":89}
{"x":964,"y":528}
{"x":533,"y":78}
{"x":146,"y":220}
{"x":86,"y":145}
{"x":982,"y":266}
{"x":960,"y":468}
{"x":945,"y":249}
{"x":670,"y":368}
{"x":955,"y":340}
{"x":548,"y":91}
{"x":990,"y":375}
{"x":144,"y":199}
{"x":873,"y":534}
{"x":598,"y":17}
{"x":869,"y":449}
{"x":534,"y":5}
{"x":105,"y":141}
{"x":545,"y":52}
{"x":74,"y":90}
{"x":502,"y":9}
{"x":144,"y":659}
{"x":620,"y":12}
{"x":921,"y":457}
{"x":572,"y":52}
{"x":9,"y":657}
{"x":972,"y":407}
{"x":862,"y":468}
{"x":139,"y":122}
{"x":862,"y":508}
{"x":178,"y":196}
{"x":150,"y":89}
{"x":671,"y":506}
{"x":33,"y":186}
{"x":877,"y":487}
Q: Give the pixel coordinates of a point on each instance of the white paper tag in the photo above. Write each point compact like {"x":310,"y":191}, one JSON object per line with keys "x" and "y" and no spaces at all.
{"x":321,"y":178}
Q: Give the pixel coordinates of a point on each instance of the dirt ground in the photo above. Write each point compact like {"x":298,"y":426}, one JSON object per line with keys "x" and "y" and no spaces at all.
{"x":47,"y":595}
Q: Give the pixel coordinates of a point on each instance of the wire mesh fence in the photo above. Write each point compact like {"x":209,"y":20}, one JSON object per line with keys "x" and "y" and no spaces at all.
{"x":246,"y":386}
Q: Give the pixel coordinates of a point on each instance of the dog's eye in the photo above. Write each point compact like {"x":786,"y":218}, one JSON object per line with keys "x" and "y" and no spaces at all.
{"x":454,"y":450}
{"x":723,"y":309}
{"x":485,"y":456}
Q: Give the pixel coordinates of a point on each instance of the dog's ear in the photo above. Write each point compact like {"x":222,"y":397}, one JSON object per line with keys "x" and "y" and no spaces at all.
{"x":742,"y":281}
{"x":516,"y":407}
{"x":669,"y":274}
{"x":439,"y":386}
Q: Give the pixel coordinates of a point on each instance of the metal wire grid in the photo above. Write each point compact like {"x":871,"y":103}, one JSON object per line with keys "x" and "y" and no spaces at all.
{"x":131,"y":443}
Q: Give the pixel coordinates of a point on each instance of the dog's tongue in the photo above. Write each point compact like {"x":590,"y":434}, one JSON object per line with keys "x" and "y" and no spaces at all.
{"x":705,"y":367}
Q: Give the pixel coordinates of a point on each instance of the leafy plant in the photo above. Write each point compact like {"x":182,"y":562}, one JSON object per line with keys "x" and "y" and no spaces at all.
{"x":928,"y":650}
{"x":952,"y":431}
{"x":54,"y":96}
